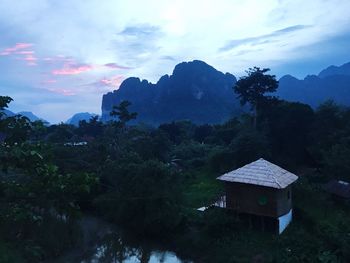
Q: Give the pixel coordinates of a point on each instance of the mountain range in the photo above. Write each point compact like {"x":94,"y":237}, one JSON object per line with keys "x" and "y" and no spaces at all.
{"x":331,"y":83}
{"x":198,"y":92}
{"x":195,"y":91}
{"x":76,"y":118}
{"x":30,"y":115}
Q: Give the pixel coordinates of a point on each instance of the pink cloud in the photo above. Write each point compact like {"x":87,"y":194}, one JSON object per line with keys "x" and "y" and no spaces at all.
{"x":25,"y":52}
{"x":49,"y":81}
{"x":64,"y":92}
{"x":73,"y":69}
{"x":114,"y":81}
{"x":115,"y":66}
{"x":21,"y":49}
{"x":59,"y":58}
{"x":15,"y":48}
{"x":30,"y":58}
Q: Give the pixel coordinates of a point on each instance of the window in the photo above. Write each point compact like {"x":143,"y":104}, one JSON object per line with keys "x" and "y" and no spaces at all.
{"x":262,"y":200}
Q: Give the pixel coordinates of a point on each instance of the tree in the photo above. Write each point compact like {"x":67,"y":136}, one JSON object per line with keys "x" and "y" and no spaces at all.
{"x":288,"y":128}
{"x":4,"y":101}
{"x":123,"y":114}
{"x":145,"y":196}
{"x":252,"y":88}
{"x":14,"y":129}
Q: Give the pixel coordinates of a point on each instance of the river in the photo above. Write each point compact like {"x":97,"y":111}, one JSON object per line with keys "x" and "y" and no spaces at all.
{"x":102,"y":242}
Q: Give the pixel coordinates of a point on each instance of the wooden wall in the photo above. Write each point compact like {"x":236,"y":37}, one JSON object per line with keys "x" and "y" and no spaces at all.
{"x":258,"y":200}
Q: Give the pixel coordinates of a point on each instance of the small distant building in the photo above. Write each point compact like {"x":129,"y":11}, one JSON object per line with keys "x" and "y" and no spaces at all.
{"x":75,"y":143}
{"x":338,"y":188}
{"x":262,"y":189}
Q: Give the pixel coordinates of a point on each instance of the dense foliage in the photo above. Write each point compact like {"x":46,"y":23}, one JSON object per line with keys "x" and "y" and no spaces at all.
{"x":151,"y":180}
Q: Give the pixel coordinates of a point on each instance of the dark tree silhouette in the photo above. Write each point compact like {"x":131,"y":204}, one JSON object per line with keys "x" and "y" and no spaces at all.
{"x":4,"y":101}
{"x":252,"y":88}
{"x":121,"y":111}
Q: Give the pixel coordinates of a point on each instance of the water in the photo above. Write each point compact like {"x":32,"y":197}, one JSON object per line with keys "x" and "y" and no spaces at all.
{"x":104,"y":243}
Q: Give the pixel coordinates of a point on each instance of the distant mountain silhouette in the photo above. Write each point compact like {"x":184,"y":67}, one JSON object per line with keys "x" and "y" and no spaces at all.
{"x":199,"y":93}
{"x":8,"y":113}
{"x":31,"y":116}
{"x":195,"y":91}
{"x":334,"y":70}
{"x":76,"y":118}
{"x":331,"y":83}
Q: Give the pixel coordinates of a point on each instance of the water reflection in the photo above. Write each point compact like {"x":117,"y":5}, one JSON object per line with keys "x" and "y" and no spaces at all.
{"x":112,"y":249}
{"x":103,"y":243}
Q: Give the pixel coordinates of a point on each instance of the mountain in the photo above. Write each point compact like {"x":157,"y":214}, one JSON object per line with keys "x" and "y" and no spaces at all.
{"x":8,"y":113}
{"x":334,"y":70}
{"x":76,"y":118}
{"x":195,"y":91}
{"x":331,"y":83}
{"x":31,"y":116}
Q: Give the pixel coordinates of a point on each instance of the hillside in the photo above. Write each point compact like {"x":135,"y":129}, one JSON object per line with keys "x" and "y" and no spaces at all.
{"x":331,"y":83}
{"x":198,"y":92}
{"x":76,"y":118}
{"x":195,"y":91}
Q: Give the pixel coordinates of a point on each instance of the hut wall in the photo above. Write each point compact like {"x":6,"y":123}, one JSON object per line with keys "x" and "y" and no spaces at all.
{"x":257,"y":200}
{"x":284,"y":200}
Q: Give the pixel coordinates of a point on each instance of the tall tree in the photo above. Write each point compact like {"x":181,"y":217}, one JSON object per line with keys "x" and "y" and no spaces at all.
{"x":121,"y":111}
{"x":252,"y":89}
{"x":4,"y":101}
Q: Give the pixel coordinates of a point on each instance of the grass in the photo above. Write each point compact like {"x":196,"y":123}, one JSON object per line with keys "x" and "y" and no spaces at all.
{"x":202,"y":189}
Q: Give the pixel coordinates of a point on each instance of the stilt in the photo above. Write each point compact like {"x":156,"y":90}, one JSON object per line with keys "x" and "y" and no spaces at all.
{"x":250,"y":222}
{"x":263,"y":224}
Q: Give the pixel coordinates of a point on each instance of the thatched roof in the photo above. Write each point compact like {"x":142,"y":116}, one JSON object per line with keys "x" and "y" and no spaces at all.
{"x":339,"y":188}
{"x":261,"y":172}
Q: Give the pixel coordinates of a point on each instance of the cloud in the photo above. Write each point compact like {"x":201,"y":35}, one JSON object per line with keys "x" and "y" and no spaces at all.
{"x":73,"y":69}
{"x":30,"y":58}
{"x":15,"y":48}
{"x":21,"y":49}
{"x":137,"y":43}
{"x":115,"y":66}
{"x":64,"y":92}
{"x":49,"y":81}
{"x":168,"y":58}
{"x":28,"y":52}
{"x":113,"y":81}
{"x":262,"y":39}
{"x":141,"y":31}
{"x":100,"y":40}
{"x":59,"y":58}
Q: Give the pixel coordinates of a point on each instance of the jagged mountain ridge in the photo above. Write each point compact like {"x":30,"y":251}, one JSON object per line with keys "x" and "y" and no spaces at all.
{"x":30,"y":115}
{"x":331,"y":83}
{"x":76,"y":118}
{"x":198,"y":92}
{"x":195,"y":91}
{"x":335,"y":70}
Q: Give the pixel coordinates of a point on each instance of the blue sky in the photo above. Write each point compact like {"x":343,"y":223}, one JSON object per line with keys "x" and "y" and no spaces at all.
{"x":59,"y":57}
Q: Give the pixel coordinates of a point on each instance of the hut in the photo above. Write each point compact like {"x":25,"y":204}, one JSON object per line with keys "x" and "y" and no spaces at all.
{"x":262,"y":189}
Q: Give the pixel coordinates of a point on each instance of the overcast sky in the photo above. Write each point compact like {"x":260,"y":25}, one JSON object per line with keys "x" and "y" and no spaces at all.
{"x":59,"y":57}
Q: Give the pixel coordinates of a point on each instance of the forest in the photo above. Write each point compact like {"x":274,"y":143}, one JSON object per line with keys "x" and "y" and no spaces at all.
{"x":150,"y":180}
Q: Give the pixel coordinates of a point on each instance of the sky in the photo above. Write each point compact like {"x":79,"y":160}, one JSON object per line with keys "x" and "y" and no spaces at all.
{"x":59,"y":57}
